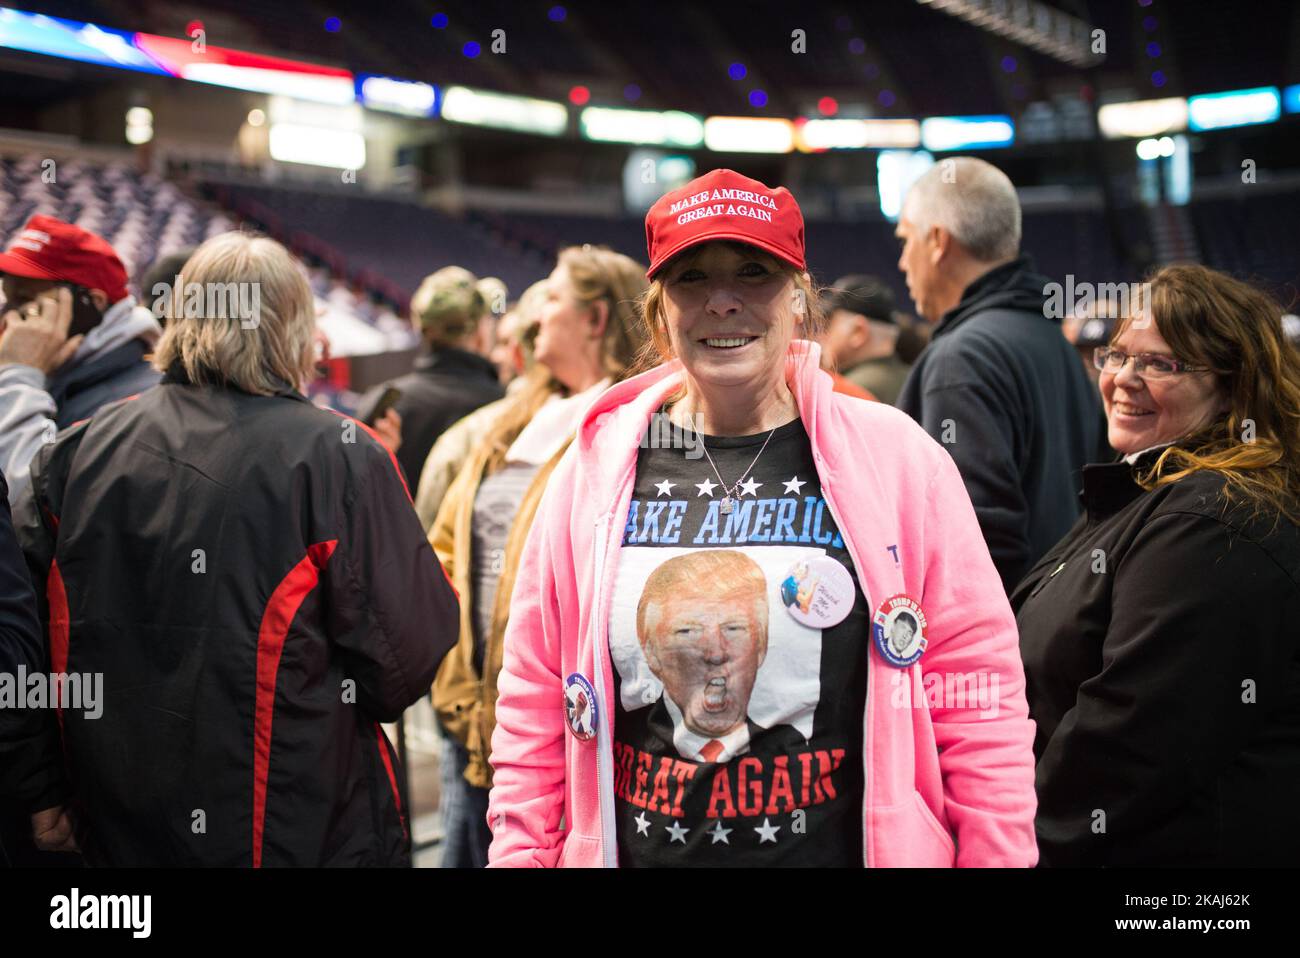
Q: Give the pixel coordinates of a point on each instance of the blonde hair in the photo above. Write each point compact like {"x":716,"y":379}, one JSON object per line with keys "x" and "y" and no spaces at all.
{"x":716,"y":573}
{"x":597,"y":274}
{"x":658,"y":348}
{"x":258,"y":354}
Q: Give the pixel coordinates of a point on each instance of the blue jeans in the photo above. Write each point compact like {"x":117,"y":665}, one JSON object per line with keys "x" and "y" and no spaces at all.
{"x":464,"y":812}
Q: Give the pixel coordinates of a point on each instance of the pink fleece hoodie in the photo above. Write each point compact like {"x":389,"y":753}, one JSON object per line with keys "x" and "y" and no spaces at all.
{"x":949,"y":780}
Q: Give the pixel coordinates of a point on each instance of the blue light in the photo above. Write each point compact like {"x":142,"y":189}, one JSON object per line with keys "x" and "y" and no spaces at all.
{"x":757,"y":98}
{"x":72,"y":40}
{"x":439,"y":21}
{"x":632,"y":92}
{"x":1217,"y":111}
{"x":1158,"y":78}
{"x":1291,"y":96}
{"x":1008,"y":64}
{"x":1153,"y":49}
{"x":942,"y":133}
{"x":471,"y":49}
{"x":737,"y":71}
{"x":557,"y":13}
{"x":332,"y":24}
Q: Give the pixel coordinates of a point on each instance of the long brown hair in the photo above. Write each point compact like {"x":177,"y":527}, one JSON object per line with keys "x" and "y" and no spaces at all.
{"x":598,"y":275}
{"x":1212,"y":320}
{"x":658,"y":348}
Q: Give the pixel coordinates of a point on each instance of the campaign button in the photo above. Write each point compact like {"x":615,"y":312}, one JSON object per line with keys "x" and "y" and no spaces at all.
{"x":898,"y":628}
{"x":818,"y":591}
{"x":580,"y":707}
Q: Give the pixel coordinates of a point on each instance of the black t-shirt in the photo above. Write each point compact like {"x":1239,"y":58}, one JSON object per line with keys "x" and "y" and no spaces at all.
{"x":739,"y":708}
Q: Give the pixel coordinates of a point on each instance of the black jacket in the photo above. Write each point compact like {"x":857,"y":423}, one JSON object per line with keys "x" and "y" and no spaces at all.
{"x":20,"y":636}
{"x":445,"y":386}
{"x":1005,"y":393}
{"x":250,"y":578}
{"x":1162,"y":661}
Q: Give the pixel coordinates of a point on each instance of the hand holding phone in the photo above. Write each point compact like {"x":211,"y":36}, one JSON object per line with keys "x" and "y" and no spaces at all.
{"x":36,"y":333}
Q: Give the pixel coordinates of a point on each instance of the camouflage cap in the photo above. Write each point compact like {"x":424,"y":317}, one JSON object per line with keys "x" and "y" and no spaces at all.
{"x":448,"y":303}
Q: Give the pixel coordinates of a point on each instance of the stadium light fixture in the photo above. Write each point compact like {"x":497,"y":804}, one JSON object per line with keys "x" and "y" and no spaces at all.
{"x":844,"y":134}
{"x":747,"y":134}
{"x":1142,"y":118}
{"x":651,"y":127}
{"x":941,"y":133}
{"x":504,"y":111}
{"x":391,"y":95}
{"x":1036,"y":25}
{"x":139,"y":125}
{"x":317,"y":146}
{"x":896,"y":171}
{"x":1217,"y":111}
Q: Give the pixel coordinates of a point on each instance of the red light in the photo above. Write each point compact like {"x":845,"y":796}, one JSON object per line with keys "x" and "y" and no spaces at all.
{"x":828,"y":106}
{"x":579,"y":95}
{"x":193,"y":27}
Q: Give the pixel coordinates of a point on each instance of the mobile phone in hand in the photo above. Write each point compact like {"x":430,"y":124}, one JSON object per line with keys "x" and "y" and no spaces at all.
{"x":386,"y":402}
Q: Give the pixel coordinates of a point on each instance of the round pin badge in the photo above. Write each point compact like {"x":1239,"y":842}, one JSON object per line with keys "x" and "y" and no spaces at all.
{"x":818,"y":592}
{"x":898,"y":628}
{"x":580,"y":707}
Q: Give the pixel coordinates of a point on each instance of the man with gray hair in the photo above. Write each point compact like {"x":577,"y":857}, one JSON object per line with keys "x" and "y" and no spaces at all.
{"x":998,"y":385}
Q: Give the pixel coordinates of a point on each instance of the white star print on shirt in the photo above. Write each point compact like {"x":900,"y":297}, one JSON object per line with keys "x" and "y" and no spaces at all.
{"x":706,"y":488}
{"x":719,"y":833}
{"x":678,"y":833}
{"x":766,"y":832}
{"x":642,"y":825}
{"x":665,"y":487}
{"x":749,"y":487}
{"x":794,"y":485}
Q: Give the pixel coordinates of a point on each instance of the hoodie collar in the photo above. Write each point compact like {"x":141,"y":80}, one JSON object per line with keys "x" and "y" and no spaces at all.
{"x":122,"y":322}
{"x":615,"y":422}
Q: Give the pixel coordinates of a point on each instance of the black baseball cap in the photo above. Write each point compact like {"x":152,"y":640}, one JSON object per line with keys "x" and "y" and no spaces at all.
{"x":864,"y":295}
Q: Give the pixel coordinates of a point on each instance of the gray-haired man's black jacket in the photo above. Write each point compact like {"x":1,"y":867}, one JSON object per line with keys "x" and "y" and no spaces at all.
{"x":1005,"y":393}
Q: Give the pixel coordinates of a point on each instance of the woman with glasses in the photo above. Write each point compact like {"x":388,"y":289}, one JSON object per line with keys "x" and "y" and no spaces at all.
{"x":1159,"y":636}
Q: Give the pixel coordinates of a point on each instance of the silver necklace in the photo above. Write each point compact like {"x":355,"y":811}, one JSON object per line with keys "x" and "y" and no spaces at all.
{"x":729,"y":494}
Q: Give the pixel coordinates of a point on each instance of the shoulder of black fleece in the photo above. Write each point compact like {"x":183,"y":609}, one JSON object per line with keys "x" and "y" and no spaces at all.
{"x":1203,"y":494}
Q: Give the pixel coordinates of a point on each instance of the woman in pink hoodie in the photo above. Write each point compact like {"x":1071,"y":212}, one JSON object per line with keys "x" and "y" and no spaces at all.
{"x":755,"y":622}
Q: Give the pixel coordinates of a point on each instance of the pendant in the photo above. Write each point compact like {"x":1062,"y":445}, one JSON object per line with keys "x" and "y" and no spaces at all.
{"x":726,"y":505}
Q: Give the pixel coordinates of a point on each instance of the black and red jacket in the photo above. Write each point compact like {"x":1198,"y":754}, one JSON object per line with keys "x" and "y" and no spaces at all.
{"x":248,"y":574}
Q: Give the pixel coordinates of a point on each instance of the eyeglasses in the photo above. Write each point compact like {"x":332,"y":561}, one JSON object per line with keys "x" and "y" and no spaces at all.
{"x":1146,"y":365}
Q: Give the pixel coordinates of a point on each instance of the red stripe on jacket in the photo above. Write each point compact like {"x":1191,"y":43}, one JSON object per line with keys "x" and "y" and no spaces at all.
{"x":56,"y":595}
{"x":400,"y":475}
{"x":279,"y":615}
{"x":385,"y":754}
{"x":376,"y":437}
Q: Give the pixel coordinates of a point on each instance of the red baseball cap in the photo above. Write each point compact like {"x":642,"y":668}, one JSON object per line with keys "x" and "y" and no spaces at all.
{"x":52,"y":249}
{"x":723,"y":205}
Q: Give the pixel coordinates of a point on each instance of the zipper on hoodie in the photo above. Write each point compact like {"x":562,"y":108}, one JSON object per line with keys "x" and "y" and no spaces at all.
{"x":867,"y":778}
{"x":604,"y":751}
